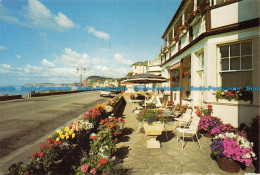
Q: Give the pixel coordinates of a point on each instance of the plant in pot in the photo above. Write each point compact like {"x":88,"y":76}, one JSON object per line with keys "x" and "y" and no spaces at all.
{"x":153,"y":122}
{"x":201,"y":111}
{"x":207,"y":123}
{"x":231,"y":151}
{"x":132,"y":96}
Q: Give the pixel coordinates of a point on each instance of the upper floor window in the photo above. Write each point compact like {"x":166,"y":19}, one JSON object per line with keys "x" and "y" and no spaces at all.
{"x":201,"y":60}
{"x":216,"y":2}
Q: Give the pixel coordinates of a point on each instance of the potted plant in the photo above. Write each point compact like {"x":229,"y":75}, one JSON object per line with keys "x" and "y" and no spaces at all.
{"x":153,"y":122}
{"x":196,"y":15}
{"x":232,"y":96}
{"x":201,"y":111}
{"x":181,"y":31}
{"x":231,"y":150}
{"x":207,"y":123}
{"x":132,"y":96}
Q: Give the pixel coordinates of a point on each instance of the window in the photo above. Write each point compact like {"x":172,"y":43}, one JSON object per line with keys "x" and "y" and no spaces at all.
{"x":201,"y":60}
{"x":236,"y":64}
{"x":236,"y":57}
{"x":216,"y":2}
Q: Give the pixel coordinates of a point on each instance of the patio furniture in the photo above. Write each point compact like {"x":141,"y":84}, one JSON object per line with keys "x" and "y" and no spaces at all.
{"x":185,"y":118}
{"x":191,"y":130}
{"x":136,"y":104}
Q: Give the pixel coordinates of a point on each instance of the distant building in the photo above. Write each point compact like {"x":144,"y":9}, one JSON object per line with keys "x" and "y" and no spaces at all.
{"x":139,"y":67}
{"x":106,"y":83}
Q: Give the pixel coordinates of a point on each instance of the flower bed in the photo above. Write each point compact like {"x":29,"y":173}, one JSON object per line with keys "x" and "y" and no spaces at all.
{"x":69,"y":146}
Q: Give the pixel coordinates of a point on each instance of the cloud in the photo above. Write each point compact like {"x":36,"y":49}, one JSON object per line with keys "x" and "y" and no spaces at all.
{"x":5,"y":66}
{"x":18,"y":56}
{"x":47,"y":63}
{"x":3,"y":48}
{"x":98,"y":34}
{"x":63,"y":20}
{"x":73,"y":58}
{"x":120,"y":59}
{"x":36,"y":15}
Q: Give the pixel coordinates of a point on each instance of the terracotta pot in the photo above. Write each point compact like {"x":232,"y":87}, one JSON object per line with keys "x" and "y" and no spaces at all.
{"x":208,"y":135}
{"x":228,"y":165}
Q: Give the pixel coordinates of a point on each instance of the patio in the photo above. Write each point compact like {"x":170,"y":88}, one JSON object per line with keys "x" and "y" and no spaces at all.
{"x":170,"y":158}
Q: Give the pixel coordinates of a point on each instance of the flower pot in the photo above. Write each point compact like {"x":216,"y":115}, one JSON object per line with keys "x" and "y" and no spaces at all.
{"x":183,"y":32}
{"x":233,"y":101}
{"x":228,"y":165}
{"x":208,"y":135}
{"x":155,"y":128}
{"x":195,"y":20}
{"x":173,"y":43}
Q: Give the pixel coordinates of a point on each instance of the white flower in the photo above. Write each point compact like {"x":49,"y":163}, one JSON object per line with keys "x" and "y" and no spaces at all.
{"x":93,"y":134}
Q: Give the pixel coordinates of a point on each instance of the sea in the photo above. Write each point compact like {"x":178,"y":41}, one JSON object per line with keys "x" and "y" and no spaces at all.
{"x":25,"y":89}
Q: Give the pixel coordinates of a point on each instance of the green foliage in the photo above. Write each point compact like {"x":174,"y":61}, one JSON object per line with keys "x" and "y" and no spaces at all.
{"x":151,"y":115}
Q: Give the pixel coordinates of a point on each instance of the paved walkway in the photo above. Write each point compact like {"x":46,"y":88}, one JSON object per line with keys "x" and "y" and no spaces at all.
{"x":170,"y":158}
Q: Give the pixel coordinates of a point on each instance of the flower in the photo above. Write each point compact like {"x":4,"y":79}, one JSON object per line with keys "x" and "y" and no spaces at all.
{"x":84,"y":168}
{"x":50,"y":146}
{"x":93,"y":137}
{"x":26,"y":172}
{"x":116,"y":139}
{"x":93,"y":171}
{"x":48,"y":140}
{"x":40,"y":154}
{"x":73,"y":135}
{"x":103,"y":161}
{"x":42,"y":145}
{"x":114,"y":158}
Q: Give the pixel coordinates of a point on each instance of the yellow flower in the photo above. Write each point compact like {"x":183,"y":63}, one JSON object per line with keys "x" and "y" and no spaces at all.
{"x":58,"y":131}
{"x":67,"y":137}
{"x":66,"y":134}
{"x":73,"y":135}
{"x":71,"y":131}
{"x":62,"y":136}
{"x":57,"y":139}
{"x":66,"y":129}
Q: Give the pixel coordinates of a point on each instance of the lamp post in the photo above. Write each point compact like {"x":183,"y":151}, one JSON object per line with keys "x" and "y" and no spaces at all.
{"x":81,"y":74}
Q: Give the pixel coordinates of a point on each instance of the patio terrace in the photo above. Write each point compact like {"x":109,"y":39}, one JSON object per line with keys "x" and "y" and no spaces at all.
{"x":170,"y":158}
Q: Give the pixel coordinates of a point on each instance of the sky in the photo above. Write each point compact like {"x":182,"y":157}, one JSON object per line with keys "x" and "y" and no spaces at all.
{"x":45,"y":41}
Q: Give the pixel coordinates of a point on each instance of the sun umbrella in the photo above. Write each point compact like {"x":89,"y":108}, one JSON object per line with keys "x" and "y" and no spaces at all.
{"x":145,"y":79}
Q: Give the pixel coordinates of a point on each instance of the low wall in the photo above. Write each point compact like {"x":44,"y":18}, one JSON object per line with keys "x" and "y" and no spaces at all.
{"x":10,"y":97}
{"x":53,"y":93}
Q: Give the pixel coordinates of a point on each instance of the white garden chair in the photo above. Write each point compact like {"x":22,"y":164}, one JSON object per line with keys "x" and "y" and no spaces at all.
{"x":185,"y":118}
{"x":191,"y":131}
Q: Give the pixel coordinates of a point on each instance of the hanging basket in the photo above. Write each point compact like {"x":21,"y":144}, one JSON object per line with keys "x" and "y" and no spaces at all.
{"x":228,"y":165}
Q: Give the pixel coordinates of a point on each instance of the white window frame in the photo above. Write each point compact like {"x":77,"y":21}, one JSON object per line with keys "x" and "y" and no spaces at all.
{"x":219,"y":58}
{"x":229,"y":57}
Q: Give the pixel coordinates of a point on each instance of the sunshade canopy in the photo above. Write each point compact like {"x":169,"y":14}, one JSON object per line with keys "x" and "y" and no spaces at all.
{"x":145,"y":79}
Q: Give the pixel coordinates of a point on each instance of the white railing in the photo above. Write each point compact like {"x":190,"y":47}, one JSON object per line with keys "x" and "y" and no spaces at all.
{"x":199,"y":27}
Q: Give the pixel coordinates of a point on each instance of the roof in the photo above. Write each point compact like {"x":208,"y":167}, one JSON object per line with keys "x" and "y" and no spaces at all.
{"x":174,"y":17}
{"x":140,"y":63}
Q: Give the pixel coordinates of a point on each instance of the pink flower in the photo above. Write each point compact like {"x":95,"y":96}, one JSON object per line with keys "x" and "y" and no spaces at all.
{"x":93,"y":171}
{"x":84,"y":168}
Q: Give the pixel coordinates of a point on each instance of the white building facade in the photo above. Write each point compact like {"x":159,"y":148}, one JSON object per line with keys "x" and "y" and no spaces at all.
{"x":214,"y":43}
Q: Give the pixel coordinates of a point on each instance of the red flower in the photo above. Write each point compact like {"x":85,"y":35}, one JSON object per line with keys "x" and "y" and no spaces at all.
{"x":99,"y":164}
{"x":209,"y":106}
{"x":103,"y":161}
{"x":50,"y":146}
{"x":48,"y":140}
{"x":116,"y":139}
{"x":102,"y":121}
{"x":42,"y":145}
{"x":40,"y":154}
{"x":33,"y":155}
{"x":104,"y":174}
{"x":100,"y":135}
{"x":231,"y":94}
{"x":94,"y":137}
